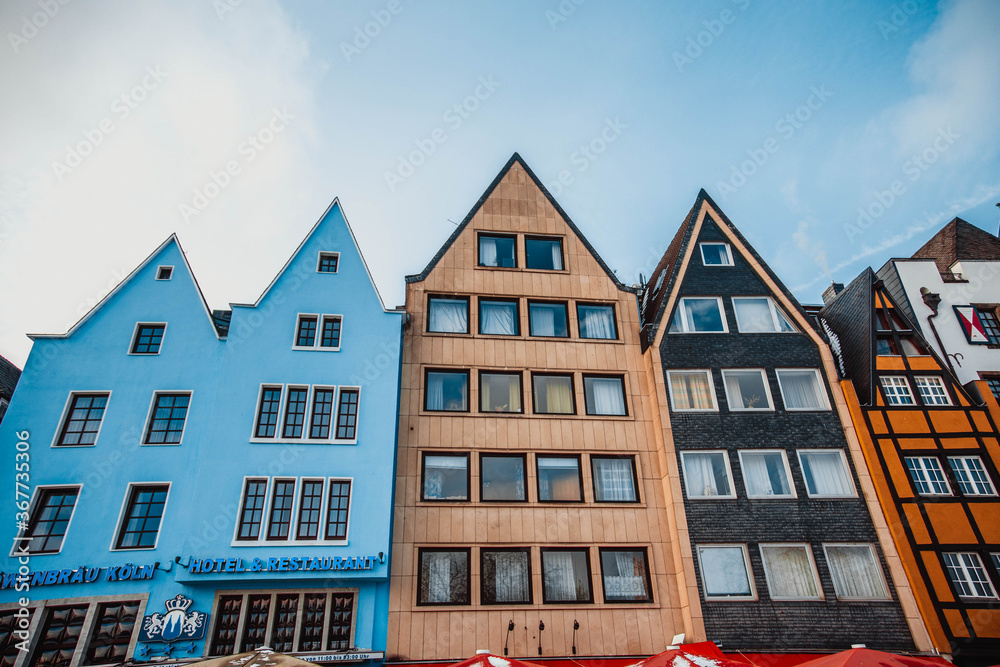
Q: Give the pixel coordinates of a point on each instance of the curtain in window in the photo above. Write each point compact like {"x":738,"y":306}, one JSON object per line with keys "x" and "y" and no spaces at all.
{"x":691,"y":391}
{"x":449,"y":315}
{"x":543,"y":321}
{"x":557,"y":393}
{"x":487,"y":251}
{"x":498,"y":318}
{"x":560,"y":577}
{"x":557,"y":256}
{"x":754,"y":315}
{"x":607,"y":396}
{"x":746,"y":390}
{"x":439,"y":578}
{"x":435,"y":391}
{"x":596,"y":322}
{"x":801,"y":390}
{"x":789,"y":572}
{"x":855,"y":572}
{"x":705,"y":476}
{"x":765,"y":474}
{"x":437,"y":469}
{"x":501,"y":393}
{"x":825,"y":474}
{"x":613,"y":479}
{"x":724,"y":572}
{"x":630,"y":582}
{"x":511,"y":576}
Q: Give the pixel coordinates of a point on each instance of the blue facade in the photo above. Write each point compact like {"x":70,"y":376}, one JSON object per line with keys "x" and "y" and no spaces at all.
{"x":245,"y":464}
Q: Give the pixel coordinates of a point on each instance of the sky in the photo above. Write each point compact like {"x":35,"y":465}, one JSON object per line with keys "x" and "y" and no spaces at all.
{"x":834,"y":134}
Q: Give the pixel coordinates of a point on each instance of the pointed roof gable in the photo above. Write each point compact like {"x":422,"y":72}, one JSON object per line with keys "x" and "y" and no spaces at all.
{"x":515,"y":159}
{"x":959,"y":240}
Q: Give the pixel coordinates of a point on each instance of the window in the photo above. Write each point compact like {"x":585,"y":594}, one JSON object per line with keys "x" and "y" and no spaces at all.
{"x":614,"y":479}
{"x":826,"y":473}
{"x":328,"y":262}
{"x":267,"y":412}
{"x":856,"y":572}
{"x":310,"y":507}
{"x":306,"y":414}
{"x":596,"y":321}
{"x":83,"y":420}
{"x":747,"y":390}
{"x":991,"y":326}
{"x":252,"y":511}
{"x":932,"y":391}
{"x":766,"y":473}
{"x":499,"y":392}
{"x":164,"y":272}
{"x":444,"y":577}
{"x":166,"y":424}
{"x":993,"y":382}
{"x":140,"y":524}
{"x":506,"y":576}
{"x":542,"y":253}
{"x":111,"y":636}
{"x":971,"y":476}
{"x":280,"y":517}
{"x":322,"y":620}
{"x":968,"y":575}
{"x":707,"y":474}
{"x":447,"y":391}
{"x":979,"y":324}
{"x":553,"y":394}
{"x":305,"y":510}
{"x":498,"y":318}
{"x":448,"y":314}
{"x":802,"y":389}
{"x":715,"y":254}
{"x":337,"y":509}
{"x":496,"y":251}
{"x":725,"y":572}
{"x":691,"y":391}
{"x":295,"y":412}
{"x":322,"y":406}
{"x":318,"y":332}
{"x":699,"y":315}
{"x":927,"y":475}
{"x":50,"y":519}
{"x":559,"y":479}
{"x":759,"y":314}
{"x":330,"y":337}
{"x":566,"y":576}
{"x":897,"y":390}
{"x":604,"y":395}
{"x":147,"y":338}
{"x":625,"y":574}
{"x":548,"y":319}
{"x":347,"y":414}
{"x":502,"y":477}
{"x":60,"y":634}
{"x":790,"y":572}
{"x":446,"y":477}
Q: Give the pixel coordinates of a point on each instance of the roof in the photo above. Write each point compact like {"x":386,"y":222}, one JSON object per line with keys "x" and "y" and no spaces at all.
{"x":959,"y":240}
{"x":850,"y":317}
{"x":515,"y":158}
{"x":9,"y":374}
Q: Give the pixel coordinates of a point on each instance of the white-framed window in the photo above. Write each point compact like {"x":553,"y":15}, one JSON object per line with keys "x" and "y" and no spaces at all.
{"x":759,"y":314}
{"x":707,"y":474}
{"x":328,"y":262}
{"x":699,"y":314}
{"x":692,"y":391}
{"x":715,"y":253}
{"x":725,"y":572}
{"x":791,"y":572}
{"x":604,"y":395}
{"x":968,"y":576}
{"x":897,"y":390}
{"x":802,"y":389}
{"x":306,"y":413}
{"x":448,"y":314}
{"x":51,"y":512}
{"x":971,"y":476}
{"x":747,"y":389}
{"x":82,"y":419}
{"x":927,"y":475}
{"x":293,"y":510}
{"x":147,"y":338}
{"x":766,"y":473}
{"x":141,"y":516}
{"x":314,"y":331}
{"x":826,"y":473}
{"x":995,"y":557}
{"x":856,"y":572}
{"x":932,"y":390}
{"x":164,"y":272}
{"x":167,"y":418}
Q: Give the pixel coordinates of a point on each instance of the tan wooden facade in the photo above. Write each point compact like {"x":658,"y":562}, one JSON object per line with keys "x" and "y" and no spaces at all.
{"x":516,"y":206}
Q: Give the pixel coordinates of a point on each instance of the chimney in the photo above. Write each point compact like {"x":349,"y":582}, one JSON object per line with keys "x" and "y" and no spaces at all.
{"x":831,"y":292}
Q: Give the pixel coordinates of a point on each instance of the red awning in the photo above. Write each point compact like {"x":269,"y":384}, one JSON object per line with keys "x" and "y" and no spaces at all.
{"x":865,"y":657}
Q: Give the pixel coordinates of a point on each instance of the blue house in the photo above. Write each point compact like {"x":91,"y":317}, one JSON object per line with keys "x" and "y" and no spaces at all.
{"x":194,"y":483}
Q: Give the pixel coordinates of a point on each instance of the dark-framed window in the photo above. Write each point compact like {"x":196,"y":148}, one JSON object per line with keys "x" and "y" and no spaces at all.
{"x":446,"y":391}
{"x":60,"y":635}
{"x":497,"y":250}
{"x":330,"y":332}
{"x":319,"y":423}
{"x":143,"y":513}
{"x":566,"y":576}
{"x":499,"y":317}
{"x":280,"y":514}
{"x":111,"y":635}
{"x":543,"y":253}
{"x":164,"y":272}
{"x":993,"y":382}
{"x":505,"y":576}
{"x":500,"y":392}
{"x":347,"y":414}
{"x":444,"y":577}
{"x":310,"y":509}
{"x":445,"y":476}
{"x":328,"y":262}
{"x":991,"y":325}
{"x":148,"y":338}
{"x":614,"y":479}
{"x":295,"y":412}
{"x":338,"y":509}
{"x":166,"y":424}
{"x":305,"y":331}
{"x":252,"y":509}
{"x":559,"y":479}
{"x":605,"y":395}
{"x":83,"y":421}
{"x":548,"y":319}
{"x":50,"y":518}
{"x":448,"y":314}
{"x":267,"y":412}
{"x":553,"y":394}
{"x":502,"y":478}
{"x":625,"y":575}
{"x":597,"y":321}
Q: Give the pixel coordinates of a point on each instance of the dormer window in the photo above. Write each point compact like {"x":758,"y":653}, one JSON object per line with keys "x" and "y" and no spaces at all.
{"x":543,"y":253}
{"x":497,"y":251}
{"x":716,"y":254}
{"x":164,"y":272}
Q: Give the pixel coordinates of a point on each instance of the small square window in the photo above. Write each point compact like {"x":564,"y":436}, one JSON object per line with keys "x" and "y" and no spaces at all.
{"x":83,"y":420}
{"x":759,"y":314}
{"x":766,"y":473}
{"x":716,"y":254}
{"x":932,"y":391}
{"x":625,"y":575}
{"x":448,"y":314}
{"x":597,"y":321}
{"x":166,"y":423}
{"x":692,"y":391}
{"x":927,"y":476}
{"x":447,"y":391}
{"x":699,"y":315}
{"x":559,"y":479}
{"x":802,"y":389}
{"x":147,"y":338}
{"x":604,"y":395}
{"x":498,"y":318}
{"x":140,"y":524}
{"x":566,"y":576}
{"x":856,"y":572}
{"x":542,"y":253}
{"x":553,"y":394}
{"x":49,"y":521}
{"x":499,"y":392}
{"x":614,"y":479}
{"x":826,"y":473}
{"x":747,"y":390}
{"x":968,"y":576}
{"x":446,"y":477}
{"x":444,"y":577}
{"x":971,"y":475}
{"x":548,"y":319}
{"x":791,"y":572}
{"x":506,"y":576}
{"x":496,"y":251}
{"x":725,"y":572}
{"x":707,"y":475}
{"x":502,"y":477}
{"x":897,"y":390}
{"x":328,"y":262}
{"x":164,"y":272}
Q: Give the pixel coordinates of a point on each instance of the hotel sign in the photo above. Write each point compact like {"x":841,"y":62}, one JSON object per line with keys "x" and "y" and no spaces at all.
{"x":296,"y":564}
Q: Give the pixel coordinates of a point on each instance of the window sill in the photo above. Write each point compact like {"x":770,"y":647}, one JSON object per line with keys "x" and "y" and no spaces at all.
{"x":254,"y":544}
{"x":300,"y":441}
{"x":315,"y":349}
{"x":161,"y":444}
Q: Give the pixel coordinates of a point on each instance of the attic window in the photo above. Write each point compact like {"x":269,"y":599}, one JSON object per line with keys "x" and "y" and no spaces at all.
{"x":328,"y":262}
{"x":164,"y":272}
{"x":716,"y":254}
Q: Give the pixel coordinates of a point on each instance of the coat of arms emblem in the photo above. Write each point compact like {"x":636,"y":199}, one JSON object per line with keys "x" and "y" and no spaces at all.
{"x":177,"y":624}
